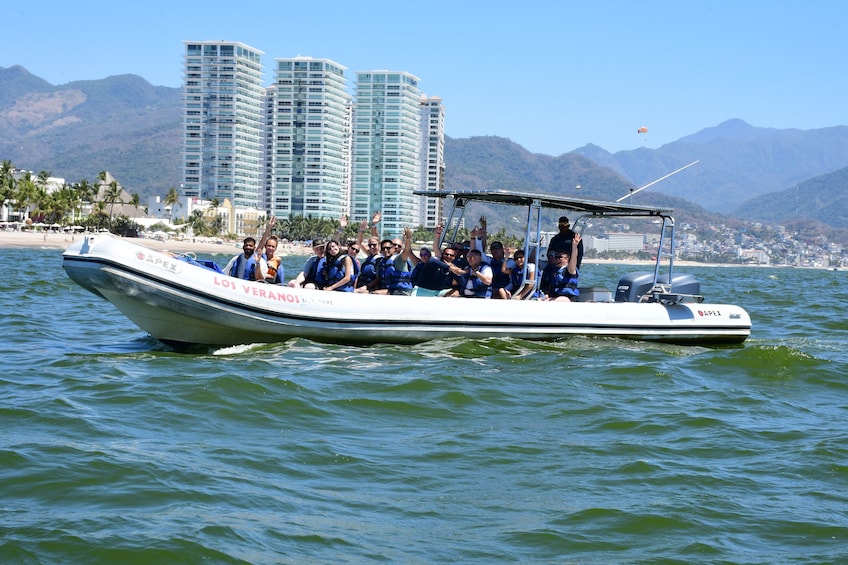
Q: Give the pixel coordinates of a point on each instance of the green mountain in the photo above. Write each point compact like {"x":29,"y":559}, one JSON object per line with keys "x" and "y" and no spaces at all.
{"x":120,"y":124}
{"x":124,"y":125}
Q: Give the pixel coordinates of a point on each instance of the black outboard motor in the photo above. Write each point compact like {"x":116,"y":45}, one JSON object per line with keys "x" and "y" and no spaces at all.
{"x":633,"y":286}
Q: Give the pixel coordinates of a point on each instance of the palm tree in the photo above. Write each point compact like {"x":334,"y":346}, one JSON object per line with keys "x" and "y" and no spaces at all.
{"x":196,"y":222}
{"x":25,"y":193}
{"x":69,"y":199}
{"x":85,"y":192}
{"x":7,"y":184}
{"x":134,"y":202}
{"x":218,"y":223}
{"x":172,"y":198}
{"x":113,"y":194}
{"x":42,"y":178}
{"x":99,"y":214}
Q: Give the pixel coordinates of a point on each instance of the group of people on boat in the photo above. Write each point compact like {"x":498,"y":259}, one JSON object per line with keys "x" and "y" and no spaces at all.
{"x":390,"y":266}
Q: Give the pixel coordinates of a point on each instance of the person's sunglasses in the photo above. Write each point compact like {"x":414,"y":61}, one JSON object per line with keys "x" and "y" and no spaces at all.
{"x":372,"y":245}
{"x":387,"y":248}
{"x":448,"y":255}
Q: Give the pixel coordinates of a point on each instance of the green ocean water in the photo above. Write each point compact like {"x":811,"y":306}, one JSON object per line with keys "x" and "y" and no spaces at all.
{"x":114,"y":449}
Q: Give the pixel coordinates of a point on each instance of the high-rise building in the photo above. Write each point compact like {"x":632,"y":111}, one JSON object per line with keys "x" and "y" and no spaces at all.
{"x":386,"y":149}
{"x":308,"y":139}
{"x":222,"y":122}
{"x":302,"y":146}
{"x":432,"y":159}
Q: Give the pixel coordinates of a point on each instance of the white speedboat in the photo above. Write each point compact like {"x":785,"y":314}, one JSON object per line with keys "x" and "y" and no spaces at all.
{"x":184,"y":304}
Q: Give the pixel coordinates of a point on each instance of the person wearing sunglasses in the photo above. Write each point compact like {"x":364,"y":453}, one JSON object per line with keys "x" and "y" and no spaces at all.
{"x":521,"y":285}
{"x":432,"y":276}
{"x":379,"y":284}
{"x":368,"y":268}
{"x":337,"y":268}
{"x":564,"y":282}
{"x":396,"y":269}
{"x":353,"y":249}
{"x":478,"y":276}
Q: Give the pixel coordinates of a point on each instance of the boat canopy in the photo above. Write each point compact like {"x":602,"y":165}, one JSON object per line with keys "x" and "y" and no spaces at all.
{"x":546,"y":201}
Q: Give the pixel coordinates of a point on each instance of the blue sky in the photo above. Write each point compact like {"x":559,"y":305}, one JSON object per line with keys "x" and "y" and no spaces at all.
{"x":589,"y":72}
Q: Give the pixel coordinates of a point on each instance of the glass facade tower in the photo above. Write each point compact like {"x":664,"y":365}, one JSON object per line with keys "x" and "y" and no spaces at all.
{"x":222,"y":122}
{"x":386,"y":149}
{"x":432,"y":159}
{"x":308,"y":139}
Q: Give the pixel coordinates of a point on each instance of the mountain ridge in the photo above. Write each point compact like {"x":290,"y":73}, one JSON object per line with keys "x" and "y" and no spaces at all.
{"x":125,"y":125}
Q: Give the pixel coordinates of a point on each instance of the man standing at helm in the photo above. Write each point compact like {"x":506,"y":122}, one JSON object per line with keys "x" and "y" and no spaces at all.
{"x":561,"y":242}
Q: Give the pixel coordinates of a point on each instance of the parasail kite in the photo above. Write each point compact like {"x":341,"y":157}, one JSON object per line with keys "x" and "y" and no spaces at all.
{"x":642,"y":129}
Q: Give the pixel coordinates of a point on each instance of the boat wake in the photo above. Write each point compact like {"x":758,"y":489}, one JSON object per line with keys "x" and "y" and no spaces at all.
{"x":238,"y":349}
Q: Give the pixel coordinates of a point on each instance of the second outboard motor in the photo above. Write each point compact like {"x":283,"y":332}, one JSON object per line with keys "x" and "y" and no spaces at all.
{"x":633,"y":286}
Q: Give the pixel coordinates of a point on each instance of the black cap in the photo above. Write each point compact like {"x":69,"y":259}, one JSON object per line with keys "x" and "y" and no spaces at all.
{"x":563,"y":220}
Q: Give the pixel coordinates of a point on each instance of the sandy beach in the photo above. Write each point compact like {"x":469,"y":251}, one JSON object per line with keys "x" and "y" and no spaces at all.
{"x":51,"y":240}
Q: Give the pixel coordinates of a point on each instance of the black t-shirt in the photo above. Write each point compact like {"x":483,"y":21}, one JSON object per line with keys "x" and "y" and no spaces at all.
{"x":432,"y":275}
{"x":562,"y":242}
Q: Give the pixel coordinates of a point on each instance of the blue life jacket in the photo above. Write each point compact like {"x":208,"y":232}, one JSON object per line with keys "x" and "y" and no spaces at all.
{"x":367,"y":270}
{"x":515,"y":279}
{"x":357,"y":268}
{"x":394,"y":279}
{"x":249,"y":267}
{"x":564,"y":283}
{"x":478,"y":288}
{"x":499,"y":278}
{"x":336,"y":272}
{"x":547,"y":277}
{"x":313,"y":272}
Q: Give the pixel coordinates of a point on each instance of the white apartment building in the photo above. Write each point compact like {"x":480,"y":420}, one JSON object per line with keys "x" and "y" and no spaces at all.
{"x":308,"y":115}
{"x":222,"y":122}
{"x":302,"y":146}
{"x":432,"y":159}
{"x":386,"y":149}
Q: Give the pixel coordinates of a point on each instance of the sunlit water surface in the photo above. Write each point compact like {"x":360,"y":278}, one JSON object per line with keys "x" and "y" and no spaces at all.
{"x":116,"y":450}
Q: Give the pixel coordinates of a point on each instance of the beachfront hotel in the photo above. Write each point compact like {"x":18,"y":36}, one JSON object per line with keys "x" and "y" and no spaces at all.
{"x":432,"y":159}
{"x":304,"y":146}
{"x":386,"y":149}
{"x":308,"y":139}
{"x":222,"y":121}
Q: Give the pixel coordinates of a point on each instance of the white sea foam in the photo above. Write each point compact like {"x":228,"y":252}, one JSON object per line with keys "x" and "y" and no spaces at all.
{"x":237,"y":349}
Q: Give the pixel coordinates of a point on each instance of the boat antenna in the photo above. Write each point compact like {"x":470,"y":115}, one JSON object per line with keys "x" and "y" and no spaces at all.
{"x":632,"y":192}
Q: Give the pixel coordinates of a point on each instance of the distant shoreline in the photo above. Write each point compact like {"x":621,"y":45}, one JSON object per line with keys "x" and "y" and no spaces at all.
{"x":52,"y":240}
